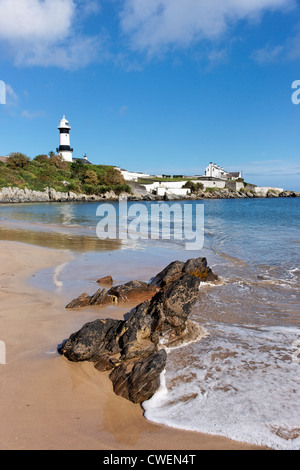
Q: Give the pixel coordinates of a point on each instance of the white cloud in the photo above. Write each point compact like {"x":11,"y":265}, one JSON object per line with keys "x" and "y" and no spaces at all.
{"x":276,"y":167}
{"x":33,"y":19}
{"x":50,"y":32}
{"x":293,"y":47}
{"x":159,"y":24}
{"x":89,"y":7}
{"x":11,"y":100}
{"x":79,"y":52}
{"x":289,"y":50}
{"x":268,"y":54}
{"x":32,"y":115}
{"x":11,"y":96}
{"x":43,"y":32}
{"x":123,"y":110}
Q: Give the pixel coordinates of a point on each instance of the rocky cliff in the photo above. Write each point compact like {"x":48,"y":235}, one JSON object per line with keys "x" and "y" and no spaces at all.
{"x":17,"y":195}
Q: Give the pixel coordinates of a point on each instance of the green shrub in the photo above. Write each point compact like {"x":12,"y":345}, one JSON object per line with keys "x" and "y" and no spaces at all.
{"x":102,"y":189}
{"x":41,"y":159}
{"x":74,"y":187}
{"x":58,"y":162}
{"x":121,"y":188}
{"x":18,"y":160}
{"x":91,"y":178}
{"x":112,"y":177}
{"x":54,"y":172}
{"x":89,"y":189}
{"x":211,"y":190}
{"x":194,"y":187}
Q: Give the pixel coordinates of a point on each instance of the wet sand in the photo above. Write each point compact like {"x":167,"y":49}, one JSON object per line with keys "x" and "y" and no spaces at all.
{"x":48,"y":403}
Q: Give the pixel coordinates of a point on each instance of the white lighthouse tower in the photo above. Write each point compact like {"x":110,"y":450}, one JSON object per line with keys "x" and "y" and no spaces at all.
{"x":64,"y":140}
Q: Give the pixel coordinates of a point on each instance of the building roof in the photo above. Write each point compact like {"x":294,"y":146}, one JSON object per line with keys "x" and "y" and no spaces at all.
{"x":235,"y":174}
{"x":3,"y":159}
{"x":83,"y":160}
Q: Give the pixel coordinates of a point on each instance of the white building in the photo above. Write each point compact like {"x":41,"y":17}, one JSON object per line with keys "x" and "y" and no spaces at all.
{"x":170,"y":187}
{"x":132,"y":175}
{"x":215,"y":171}
{"x":64,"y":148}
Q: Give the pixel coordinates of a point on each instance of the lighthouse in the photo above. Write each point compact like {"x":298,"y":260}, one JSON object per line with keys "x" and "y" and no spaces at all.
{"x":64,"y":140}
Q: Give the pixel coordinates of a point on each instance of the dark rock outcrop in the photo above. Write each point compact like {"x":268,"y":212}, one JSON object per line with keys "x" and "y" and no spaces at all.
{"x":94,"y":340}
{"x":171,"y":273}
{"x":139,"y":382}
{"x":132,"y":347}
{"x":170,"y":307}
{"x":82,"y":301}
{"x":197,"y":267}
{"x":100,"y":297}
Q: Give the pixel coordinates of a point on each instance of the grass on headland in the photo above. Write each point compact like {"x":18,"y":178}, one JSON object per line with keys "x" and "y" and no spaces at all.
{"x":53,"y":172}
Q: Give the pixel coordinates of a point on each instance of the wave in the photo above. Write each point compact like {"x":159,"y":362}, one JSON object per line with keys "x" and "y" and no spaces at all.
{"x":238,"y":382}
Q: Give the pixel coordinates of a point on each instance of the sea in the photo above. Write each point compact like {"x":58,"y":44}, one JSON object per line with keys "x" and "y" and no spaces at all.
{"x":241,"y":378}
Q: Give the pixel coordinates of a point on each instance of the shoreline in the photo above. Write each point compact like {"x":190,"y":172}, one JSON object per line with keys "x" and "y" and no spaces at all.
{"x":14,"y":195}
{"x":49,"y":403}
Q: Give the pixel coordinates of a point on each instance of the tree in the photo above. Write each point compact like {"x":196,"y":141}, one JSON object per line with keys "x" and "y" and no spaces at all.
{"x":18,"y":160}
{"x":78,"y":169}
{"x":112,"y":177}
{"x":91,"y":177}
{"x":41,"y":158}
{"x":58,"y":161}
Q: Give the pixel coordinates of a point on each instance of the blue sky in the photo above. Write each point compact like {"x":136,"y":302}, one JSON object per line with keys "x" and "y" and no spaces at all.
{"x":160,"y":86}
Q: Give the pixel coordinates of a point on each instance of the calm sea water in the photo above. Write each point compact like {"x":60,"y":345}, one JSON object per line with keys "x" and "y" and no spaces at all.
{"x":242,"y":380}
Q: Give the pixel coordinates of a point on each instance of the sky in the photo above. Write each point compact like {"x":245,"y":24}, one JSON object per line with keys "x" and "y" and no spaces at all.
{"x":157,"y":86}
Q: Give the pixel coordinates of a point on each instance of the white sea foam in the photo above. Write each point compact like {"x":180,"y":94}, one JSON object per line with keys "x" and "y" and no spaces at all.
{"x":220,"y":282}
{"x":56,"y":275}
{"x":206,"y":284}
{"x":240,"y":382}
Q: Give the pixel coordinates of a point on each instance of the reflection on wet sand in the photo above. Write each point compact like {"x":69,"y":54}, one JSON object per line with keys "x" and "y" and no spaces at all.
{"x":78,"y":243}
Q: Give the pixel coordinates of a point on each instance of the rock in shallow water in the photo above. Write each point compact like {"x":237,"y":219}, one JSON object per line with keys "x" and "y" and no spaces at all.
{"x":100,"y":297}
{"x":106,"y":281}
{"x":131,"y":347}
{"x":133,"y":290}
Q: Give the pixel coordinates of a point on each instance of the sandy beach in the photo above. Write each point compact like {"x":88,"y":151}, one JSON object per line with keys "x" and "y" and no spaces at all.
{"x":48,"y":403}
